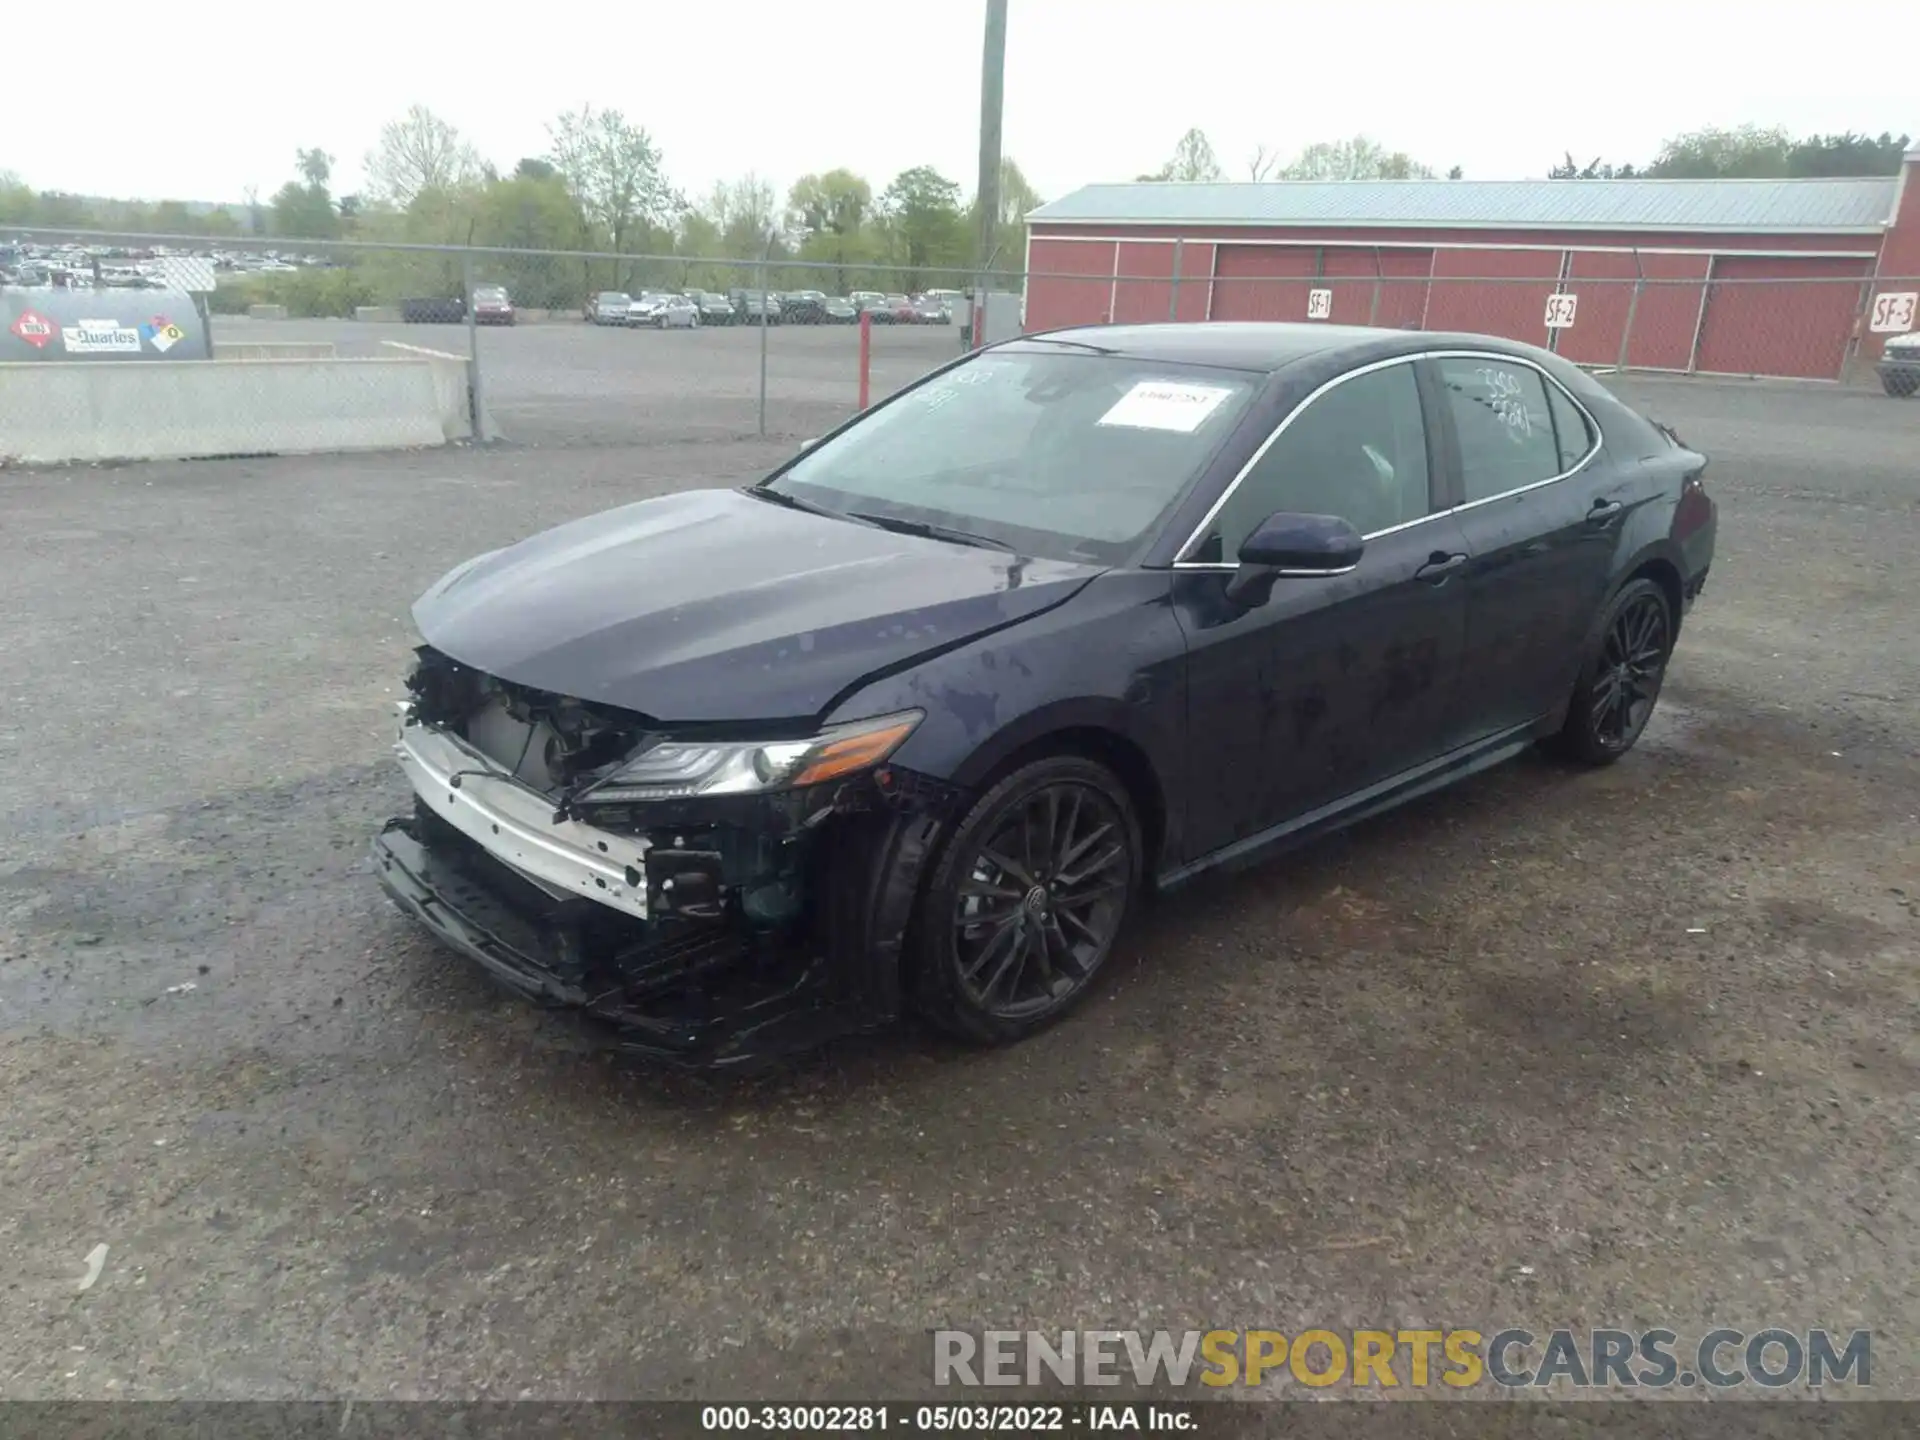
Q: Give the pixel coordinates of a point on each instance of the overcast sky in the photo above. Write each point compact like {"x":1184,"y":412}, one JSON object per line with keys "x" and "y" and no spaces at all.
{"x":198,"y":103}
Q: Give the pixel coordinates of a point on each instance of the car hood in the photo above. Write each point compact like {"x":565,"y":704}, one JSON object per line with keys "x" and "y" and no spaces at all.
{"x":714,"y":606}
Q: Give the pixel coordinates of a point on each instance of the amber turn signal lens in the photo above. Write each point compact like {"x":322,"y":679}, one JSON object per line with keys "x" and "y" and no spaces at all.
{"x":856,"y":752}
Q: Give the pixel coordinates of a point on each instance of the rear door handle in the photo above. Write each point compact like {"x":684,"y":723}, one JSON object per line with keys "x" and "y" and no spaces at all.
{"x":1440,"y":564}
{"x":1603,"y":511}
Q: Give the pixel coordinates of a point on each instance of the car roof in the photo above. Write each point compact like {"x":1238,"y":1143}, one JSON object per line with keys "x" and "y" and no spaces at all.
{"x":1265,"y":346}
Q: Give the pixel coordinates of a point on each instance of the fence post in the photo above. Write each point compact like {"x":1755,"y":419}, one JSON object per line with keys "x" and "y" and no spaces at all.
{"x":1626,"y":333}
{"x":476,"y":394}
{"x":1173,"y":300}
{"x":1373,"y":315}
{"x":866,"y":353}
{"x":760,"y":278}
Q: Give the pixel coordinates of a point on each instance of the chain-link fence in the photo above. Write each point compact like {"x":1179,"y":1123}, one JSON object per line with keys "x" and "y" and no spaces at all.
{"x":574,"y":348}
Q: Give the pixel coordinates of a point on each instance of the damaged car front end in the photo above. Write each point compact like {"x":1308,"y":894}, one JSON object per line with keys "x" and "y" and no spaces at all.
{"x":702,"y":893}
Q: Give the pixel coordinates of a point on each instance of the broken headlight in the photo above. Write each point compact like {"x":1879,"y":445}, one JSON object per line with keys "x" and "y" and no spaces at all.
{"x":682,"y":769}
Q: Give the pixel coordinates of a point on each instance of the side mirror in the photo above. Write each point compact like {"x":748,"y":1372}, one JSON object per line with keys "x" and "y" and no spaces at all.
{"x":1290,"y":545}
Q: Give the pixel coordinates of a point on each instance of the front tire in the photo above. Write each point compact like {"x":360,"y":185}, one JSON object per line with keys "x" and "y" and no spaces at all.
{"x":1026,"y":901}
{"x":1620,"y":681}
{"x":1900,"y":386}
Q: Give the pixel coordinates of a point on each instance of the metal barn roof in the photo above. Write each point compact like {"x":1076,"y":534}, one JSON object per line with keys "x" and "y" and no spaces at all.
{"x":1738,"y":205}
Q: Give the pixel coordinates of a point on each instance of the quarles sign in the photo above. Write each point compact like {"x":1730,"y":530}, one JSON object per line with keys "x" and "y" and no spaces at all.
{"x":55,"y":324}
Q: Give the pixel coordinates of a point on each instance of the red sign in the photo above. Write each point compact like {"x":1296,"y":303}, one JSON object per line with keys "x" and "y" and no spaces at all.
{"x":33,"y":328}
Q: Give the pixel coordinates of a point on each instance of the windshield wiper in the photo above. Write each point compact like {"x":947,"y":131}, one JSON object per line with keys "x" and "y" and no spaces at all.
{"x":928,"y":530}
{"x":1076,"y":344}
{"x":792,"y":502}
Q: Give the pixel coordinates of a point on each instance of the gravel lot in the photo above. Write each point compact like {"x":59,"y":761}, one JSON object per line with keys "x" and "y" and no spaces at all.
{"x":1633,"y":1047}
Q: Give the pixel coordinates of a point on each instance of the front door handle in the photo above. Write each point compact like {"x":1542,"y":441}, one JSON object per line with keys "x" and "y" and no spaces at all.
{"x":1603,"y":511}
{"x":1440,"y":564}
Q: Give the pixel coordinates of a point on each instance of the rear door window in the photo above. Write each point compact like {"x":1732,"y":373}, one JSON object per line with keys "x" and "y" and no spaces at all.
{"x":1570,"y":428}
{"x":1500,"y":414}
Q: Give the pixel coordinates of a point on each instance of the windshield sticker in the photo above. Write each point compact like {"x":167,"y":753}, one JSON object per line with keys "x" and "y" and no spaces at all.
{"x":1164,"y":405}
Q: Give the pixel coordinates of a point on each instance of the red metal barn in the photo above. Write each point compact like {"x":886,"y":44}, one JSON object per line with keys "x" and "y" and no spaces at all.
{"x":1744,"y":277}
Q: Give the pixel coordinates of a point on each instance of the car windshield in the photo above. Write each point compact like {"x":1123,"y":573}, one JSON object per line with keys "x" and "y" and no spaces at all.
{"x":1058,"y":453}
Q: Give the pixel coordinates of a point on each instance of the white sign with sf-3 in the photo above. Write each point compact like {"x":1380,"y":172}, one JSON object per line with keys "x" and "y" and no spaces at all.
{"x":1893,"y":312}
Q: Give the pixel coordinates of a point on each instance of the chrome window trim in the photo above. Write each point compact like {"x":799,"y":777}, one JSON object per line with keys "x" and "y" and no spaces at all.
{"x":1593,"y":427}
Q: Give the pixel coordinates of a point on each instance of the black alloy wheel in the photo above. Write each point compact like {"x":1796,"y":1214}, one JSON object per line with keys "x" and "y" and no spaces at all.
{"x":1621,"y":683}
{"x":1027,"y":900}
{"x":1899,"y":385}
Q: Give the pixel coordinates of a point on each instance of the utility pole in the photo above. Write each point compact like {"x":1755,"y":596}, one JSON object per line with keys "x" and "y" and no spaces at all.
{"x":993,"y":68}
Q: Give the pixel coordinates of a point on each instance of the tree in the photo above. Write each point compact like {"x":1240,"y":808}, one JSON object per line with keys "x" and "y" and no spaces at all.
{"x":304,"y":207}
{"x":744,"y":214}
{"x":1193,"y":159}
{"x":1263,"y":163}
{"x":1594,"y":169}
{"x":1017,"y":200}
{"x":613,"y":169}
{"x":923,"y":207}
{"x":419,"y":152}
{"x":836,"y":202}
{"x":1359,"y":158}
{"x":315,"y":167}
{"x":530,"y":212}
{"x":1455,"y":173}
{"x":532,"y":167}
{"x":16,"y":200}
{"x":1744,"y":152}
{"x":1847,"y":154}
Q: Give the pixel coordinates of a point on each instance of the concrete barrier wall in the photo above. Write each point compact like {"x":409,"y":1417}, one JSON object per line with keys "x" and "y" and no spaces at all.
{"x":387,"y":314}
{"x":266,"y":312}
{"x":275,"y":350}
{"x":51,"y":414}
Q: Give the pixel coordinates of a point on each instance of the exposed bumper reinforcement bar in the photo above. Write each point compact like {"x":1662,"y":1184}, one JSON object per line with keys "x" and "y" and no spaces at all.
{"x":742,"y":1029}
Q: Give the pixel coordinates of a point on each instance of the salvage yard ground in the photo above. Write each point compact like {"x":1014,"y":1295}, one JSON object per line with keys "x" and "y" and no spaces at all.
{"x":1553,"y":1048}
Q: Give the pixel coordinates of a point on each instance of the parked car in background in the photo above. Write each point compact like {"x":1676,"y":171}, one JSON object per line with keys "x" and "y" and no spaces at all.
{"x":1900,"y":365}
{"x":903,"y":311}
{"x":803,"y":307}
{"x":1153,"y":600}
{"x":609,"y":307}
{"x":434,"y":311}
{"x":714,"y":309}
{"x":839,"y":310}
{"x":676,"y":312}
{"x":929,"y":311}
{"x":863,"y":298}
{"x":877,"y":309}
{"x":492,"y":305}
{"x":640,"y":309}
{"x":755,"y":307}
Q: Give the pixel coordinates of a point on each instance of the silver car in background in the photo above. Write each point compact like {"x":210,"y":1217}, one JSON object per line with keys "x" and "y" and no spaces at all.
{"x":609,"y":307}
{"x":675,"y":312}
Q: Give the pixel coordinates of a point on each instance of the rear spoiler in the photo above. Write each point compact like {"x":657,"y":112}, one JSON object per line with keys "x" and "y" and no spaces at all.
{"x":1667,"y":430}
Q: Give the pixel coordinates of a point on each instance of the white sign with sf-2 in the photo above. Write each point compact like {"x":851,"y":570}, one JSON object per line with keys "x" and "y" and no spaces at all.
{"x":1560,"y":310}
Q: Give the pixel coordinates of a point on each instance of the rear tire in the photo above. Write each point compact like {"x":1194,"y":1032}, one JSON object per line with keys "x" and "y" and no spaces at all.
{"x":1900,"y":386}
{"x":1025,"y":902}
{"x":1620,"y":680}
